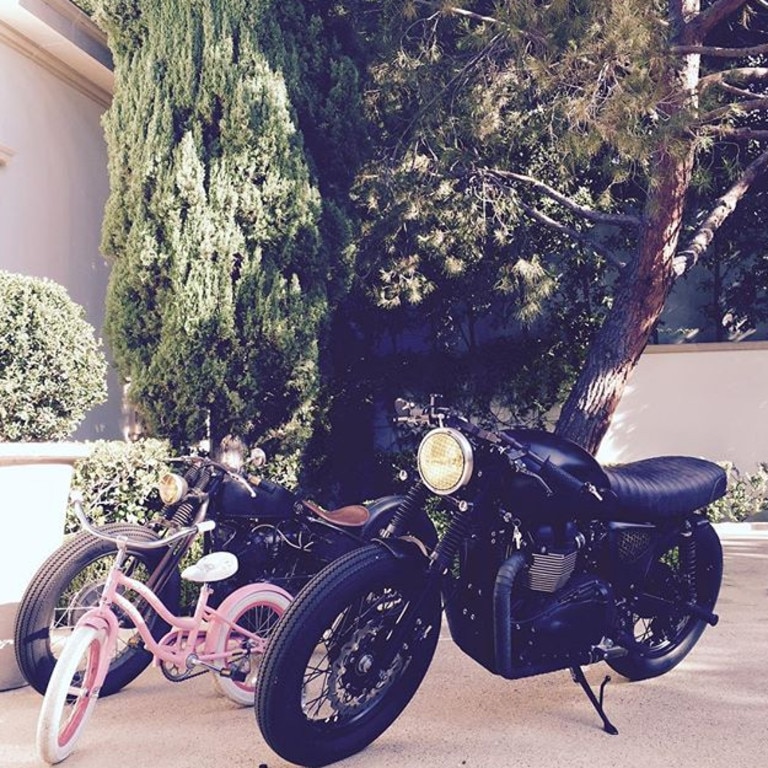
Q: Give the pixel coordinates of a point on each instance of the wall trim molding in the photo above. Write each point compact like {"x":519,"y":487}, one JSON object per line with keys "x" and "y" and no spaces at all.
{"x":714,"y":346}
{"x":30,"y":50}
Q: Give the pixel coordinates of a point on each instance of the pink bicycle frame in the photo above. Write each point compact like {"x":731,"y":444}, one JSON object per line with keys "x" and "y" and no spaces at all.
{"x":182,"y":655}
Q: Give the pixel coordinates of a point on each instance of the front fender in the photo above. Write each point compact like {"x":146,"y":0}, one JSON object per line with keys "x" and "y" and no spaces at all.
{"x":382,"y":511}
{"x":404,"y":548}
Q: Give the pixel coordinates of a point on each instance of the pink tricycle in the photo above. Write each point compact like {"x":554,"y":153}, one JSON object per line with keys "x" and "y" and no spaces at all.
{"x":227,"y":641}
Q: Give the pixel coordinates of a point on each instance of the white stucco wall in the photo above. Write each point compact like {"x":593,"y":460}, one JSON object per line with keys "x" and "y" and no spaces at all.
{"x":53,"y":186}
{"x":708,"y":400}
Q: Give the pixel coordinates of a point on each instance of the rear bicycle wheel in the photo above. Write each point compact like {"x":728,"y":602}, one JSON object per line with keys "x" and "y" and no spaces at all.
{"x":257,"y":612}
{"x":347,"y":657}
{"x":71,"y":695}
{"x":69,"y":583}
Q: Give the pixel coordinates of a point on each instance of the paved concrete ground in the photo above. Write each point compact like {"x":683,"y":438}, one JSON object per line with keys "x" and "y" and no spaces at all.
{"x":710,"y":712}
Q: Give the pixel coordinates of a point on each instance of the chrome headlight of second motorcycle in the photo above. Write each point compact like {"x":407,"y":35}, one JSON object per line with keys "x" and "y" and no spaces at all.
{"x":173,"y":488}
{"x":445,"y":460}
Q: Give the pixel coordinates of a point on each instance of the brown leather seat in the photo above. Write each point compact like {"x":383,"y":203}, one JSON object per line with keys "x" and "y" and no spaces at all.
{"x":353,"y":515}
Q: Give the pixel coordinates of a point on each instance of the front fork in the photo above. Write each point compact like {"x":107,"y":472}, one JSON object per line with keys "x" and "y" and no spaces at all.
{"x":437,"y":563}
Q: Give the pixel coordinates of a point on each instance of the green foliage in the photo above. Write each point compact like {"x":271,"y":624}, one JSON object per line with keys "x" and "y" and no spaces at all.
{"x":227,"y":221}
{"x":519,"y":167}
{"x":52,"y":369}
{"x":118,"y":481}
{"x":746,"y":496}
{"x":485,"y":294}
{"x":89,"y":6}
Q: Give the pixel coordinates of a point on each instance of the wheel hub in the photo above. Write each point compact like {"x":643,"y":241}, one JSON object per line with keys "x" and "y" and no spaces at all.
{"x":356,"y":678}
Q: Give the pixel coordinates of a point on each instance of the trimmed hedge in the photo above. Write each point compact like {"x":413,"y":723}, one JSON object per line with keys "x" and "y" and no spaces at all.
{"x":52,"y":369}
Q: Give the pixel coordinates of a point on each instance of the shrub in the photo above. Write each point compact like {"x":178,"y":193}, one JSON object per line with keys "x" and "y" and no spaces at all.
{"x":52,"y":369}
{"x":118,"y":481}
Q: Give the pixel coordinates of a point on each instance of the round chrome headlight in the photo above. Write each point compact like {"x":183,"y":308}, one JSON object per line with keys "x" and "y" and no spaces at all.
{"x":173,"y":488}
{"x":445,"y":460}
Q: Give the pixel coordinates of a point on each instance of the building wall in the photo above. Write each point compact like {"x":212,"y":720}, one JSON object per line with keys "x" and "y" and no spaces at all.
{"x":708,"y":400}
{"x":53,"y":186}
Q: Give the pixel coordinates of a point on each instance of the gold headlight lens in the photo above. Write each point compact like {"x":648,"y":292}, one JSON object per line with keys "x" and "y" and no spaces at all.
{"x":173,"y":488}
{"x":445,"y":460}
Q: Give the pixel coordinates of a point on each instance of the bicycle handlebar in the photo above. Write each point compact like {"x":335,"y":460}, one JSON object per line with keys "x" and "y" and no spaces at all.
{"x":193,"y":530}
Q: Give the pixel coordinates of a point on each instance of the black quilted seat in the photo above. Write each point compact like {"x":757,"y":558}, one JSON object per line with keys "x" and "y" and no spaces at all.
{"x":654,"y":489}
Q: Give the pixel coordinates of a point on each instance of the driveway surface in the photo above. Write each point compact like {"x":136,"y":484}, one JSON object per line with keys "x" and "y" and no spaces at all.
{"x":710,"y":712}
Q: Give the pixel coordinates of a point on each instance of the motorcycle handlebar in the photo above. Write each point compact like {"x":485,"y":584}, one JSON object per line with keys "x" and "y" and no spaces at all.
{"x":547,"y":472}
{"x":193,"y":530}
{"x":236,"y":476}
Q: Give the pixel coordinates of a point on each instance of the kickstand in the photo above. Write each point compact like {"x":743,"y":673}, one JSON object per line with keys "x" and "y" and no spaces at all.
{"x":578,"y":677}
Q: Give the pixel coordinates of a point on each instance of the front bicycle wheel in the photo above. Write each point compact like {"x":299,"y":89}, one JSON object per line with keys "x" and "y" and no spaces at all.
{"x":71,"y":695}
{"x":69,"y":583}
{"x":257,"y":612}
{"x":347,"y":657}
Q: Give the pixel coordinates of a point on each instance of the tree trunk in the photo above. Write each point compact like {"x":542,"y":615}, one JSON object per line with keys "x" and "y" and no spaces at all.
{"x":641,"y":292}
{"x":645,"y":282}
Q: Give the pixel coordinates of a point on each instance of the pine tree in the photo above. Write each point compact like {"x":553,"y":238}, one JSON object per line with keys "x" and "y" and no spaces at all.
{"x":592,"y":120}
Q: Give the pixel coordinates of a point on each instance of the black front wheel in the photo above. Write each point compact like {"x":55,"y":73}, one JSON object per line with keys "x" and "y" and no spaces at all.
{"x":69,"y":583}
{"x":348,"y":656}
{"x":661,"y":624}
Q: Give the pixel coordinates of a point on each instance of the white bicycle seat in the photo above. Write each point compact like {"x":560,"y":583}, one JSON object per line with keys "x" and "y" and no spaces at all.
{"x":214,"y":567}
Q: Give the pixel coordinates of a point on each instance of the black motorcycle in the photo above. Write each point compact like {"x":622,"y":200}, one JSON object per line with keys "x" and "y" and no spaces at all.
{"x":548,"y":561}
{"x":277,"y":537}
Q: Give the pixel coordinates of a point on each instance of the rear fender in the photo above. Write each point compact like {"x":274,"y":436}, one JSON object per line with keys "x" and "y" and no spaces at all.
{"x":259,"y":590}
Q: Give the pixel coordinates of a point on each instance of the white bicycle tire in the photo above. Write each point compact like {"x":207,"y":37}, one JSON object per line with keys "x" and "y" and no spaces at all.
{"x":57,"y":733}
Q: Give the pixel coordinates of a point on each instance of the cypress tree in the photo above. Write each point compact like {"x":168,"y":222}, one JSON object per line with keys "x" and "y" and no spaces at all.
{"x":225,"y":257}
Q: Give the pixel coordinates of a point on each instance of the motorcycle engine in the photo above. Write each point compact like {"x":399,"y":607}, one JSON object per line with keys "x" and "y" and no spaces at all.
{"x":556,"y":617}
{"x":560,"y":630}
{"x":278,"y":553}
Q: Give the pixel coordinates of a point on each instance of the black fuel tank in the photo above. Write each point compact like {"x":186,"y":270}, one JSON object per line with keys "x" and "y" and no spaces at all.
{"x":564,"y":454}
{"x":266,"y":500}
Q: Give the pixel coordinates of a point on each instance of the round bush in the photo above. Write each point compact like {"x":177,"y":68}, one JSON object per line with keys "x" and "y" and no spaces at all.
{"x":52,"y":369}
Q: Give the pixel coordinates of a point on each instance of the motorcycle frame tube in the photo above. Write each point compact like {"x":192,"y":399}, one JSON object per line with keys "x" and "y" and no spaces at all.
{"x":171,"y":559}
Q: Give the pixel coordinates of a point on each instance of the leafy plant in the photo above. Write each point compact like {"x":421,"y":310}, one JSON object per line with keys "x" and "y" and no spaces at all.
{"x":118,"y":481}
{"x":746,"y":495}
{"x":52,"y":369}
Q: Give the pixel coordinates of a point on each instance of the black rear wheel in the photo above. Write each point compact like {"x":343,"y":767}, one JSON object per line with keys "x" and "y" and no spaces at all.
{"x":67,"y":584}
{"x":663,"y":627}
{"x":347,"y":657}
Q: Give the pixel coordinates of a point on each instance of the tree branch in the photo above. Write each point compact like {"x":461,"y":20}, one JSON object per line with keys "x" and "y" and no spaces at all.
{"x":558,"y":226}
{"x":722,"y":53}
{"x":732,"y":89}
{"x":702,"y":23}
{"x":566,"y":202}
{"x":437,"y":6}
{"x":738,"y":108}
{"x":740,"y":134}
{"x":724,"y":207}
{"x":739,"y":74}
